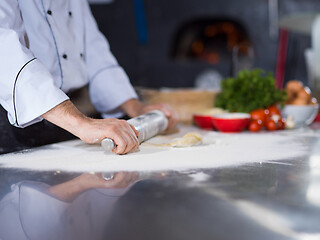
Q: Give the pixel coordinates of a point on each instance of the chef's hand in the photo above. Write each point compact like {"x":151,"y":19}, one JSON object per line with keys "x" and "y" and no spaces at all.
{"x":122,"y":133}
{"x":68,"y":117}
{"x":134,"y":107}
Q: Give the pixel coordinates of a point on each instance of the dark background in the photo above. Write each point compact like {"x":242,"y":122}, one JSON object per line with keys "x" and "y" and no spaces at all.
{"x":151,"y":64}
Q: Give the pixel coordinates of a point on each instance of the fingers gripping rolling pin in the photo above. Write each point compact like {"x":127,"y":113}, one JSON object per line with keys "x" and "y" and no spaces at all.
{"x":148,"y":125}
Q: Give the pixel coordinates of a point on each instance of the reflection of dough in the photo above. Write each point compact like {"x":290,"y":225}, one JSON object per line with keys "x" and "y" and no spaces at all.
{"x":188,"y":140}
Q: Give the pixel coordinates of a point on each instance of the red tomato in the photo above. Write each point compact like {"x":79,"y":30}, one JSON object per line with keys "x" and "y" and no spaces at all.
{"x":259,"y":114}
{"x":255,"y":125}
{"x":281,"y":124}
{"x":273,"y":110}
{"x":274,"y":122}
{"x":270,"y":125}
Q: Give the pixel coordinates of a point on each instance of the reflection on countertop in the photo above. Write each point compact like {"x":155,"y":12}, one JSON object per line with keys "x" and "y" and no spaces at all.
{"x":269,"y":200}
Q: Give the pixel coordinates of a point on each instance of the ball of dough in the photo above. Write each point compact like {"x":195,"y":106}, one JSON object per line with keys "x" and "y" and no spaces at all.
{"x":188,"y":140}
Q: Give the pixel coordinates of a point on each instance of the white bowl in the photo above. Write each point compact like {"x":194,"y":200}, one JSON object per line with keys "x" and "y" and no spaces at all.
{"x":303,"y":115}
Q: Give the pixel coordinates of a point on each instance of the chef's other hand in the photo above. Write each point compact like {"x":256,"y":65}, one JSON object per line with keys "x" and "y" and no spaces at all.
{"x":170,"y":113}
{"x":68,"y":117}
{"x":134,"y":108}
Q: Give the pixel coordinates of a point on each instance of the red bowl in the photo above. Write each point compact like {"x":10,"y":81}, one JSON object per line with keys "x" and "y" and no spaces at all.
{"x":203,"y":121}
{"x":231,"y":122}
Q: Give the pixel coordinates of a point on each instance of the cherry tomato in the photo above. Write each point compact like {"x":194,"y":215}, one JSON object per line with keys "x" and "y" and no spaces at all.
{"x":274,"y":122}
{"x":271,"y":125}
{"x":273,"y":110}
{"x":255,"y":125}
{"x":259,"y":114}
{"x":281,"y":124}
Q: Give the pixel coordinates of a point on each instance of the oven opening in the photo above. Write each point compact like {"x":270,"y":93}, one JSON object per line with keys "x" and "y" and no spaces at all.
{"x":210,"y":40}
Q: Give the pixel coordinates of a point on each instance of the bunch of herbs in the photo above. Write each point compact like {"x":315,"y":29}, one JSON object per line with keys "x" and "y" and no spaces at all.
{"x":248,"y":91}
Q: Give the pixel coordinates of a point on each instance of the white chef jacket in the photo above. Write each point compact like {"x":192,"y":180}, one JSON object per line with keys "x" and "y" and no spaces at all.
{"x":49,"y":47}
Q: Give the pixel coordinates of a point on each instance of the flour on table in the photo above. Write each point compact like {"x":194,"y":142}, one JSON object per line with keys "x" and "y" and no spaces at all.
{"x":217,"y":150}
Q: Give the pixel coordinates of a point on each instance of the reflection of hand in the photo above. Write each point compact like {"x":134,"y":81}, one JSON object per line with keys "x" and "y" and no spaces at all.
{"x":119,"y":180}
{"x":70,"y":190}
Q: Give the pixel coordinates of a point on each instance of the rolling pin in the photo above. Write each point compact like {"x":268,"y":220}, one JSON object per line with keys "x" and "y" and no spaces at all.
{"x":148,"y":125}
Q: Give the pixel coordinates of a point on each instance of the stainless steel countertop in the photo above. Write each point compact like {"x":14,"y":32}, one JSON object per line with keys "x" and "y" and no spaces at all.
{"x":271,"y":200}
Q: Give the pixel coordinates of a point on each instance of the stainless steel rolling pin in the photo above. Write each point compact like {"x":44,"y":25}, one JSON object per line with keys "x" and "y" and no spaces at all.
{"x":148,"y":125}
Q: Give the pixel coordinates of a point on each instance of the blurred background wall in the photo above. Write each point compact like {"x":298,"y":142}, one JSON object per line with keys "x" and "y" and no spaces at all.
{"x":170,"y":43}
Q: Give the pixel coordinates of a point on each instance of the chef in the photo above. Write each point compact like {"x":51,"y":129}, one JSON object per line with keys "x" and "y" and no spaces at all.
{"x":51,"y":47}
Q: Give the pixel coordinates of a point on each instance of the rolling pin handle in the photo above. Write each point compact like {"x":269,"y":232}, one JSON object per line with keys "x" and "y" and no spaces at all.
{"x":108,"y":144}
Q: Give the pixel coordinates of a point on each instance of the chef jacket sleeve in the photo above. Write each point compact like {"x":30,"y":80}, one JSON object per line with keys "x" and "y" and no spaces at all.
{"x":109,"y":85}
{"x":27,"y":89}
